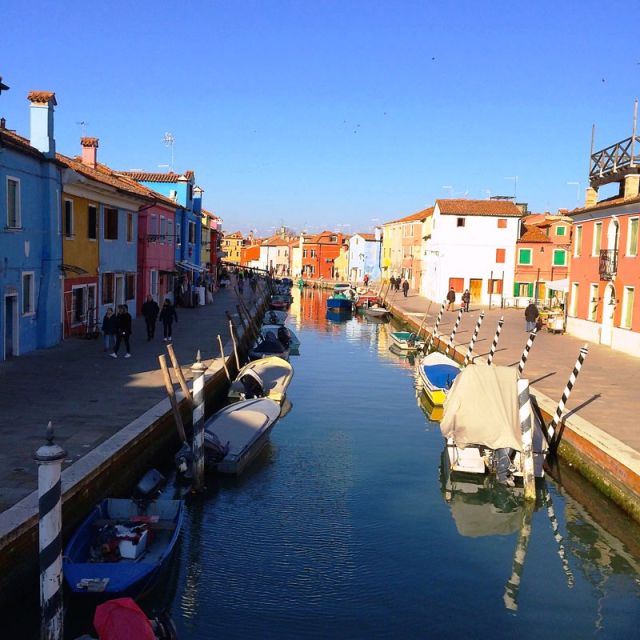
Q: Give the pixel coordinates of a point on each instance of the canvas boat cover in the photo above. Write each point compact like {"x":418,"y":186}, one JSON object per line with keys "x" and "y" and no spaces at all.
{"x":482,"y":408}
{"x":121,"y":619}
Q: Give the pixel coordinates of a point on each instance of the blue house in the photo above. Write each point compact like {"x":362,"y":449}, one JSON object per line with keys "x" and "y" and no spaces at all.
{"x":30,"y":234}
{"x":364,"y":255}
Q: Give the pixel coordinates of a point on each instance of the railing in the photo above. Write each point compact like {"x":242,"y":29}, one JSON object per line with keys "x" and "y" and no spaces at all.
{"x":617,"y":156}
{"x":608,"y":266}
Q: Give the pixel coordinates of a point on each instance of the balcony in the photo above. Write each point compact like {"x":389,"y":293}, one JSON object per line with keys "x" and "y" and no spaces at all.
{"x":611,"y":163}
{"x":608,"y":266}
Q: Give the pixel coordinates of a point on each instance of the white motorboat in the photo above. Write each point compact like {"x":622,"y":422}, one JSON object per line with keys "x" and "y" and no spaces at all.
{"x":285,"y":335}
{"x":274,"y":317}
{"x":267,"y":377}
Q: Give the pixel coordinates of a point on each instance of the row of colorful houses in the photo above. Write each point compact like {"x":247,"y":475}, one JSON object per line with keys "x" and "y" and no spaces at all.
{"x":79,"y":237}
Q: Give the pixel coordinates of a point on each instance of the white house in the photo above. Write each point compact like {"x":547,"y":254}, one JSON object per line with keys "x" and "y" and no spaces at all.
{"x":274,"y":256}
{"x":471,"y":246}
{"x":364,"y":255}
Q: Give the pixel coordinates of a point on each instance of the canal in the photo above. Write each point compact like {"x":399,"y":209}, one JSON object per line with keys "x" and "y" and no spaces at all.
{"x":345,"y":527}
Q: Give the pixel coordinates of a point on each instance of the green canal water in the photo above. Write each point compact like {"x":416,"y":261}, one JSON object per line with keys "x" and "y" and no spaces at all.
{"x":346,"y":528}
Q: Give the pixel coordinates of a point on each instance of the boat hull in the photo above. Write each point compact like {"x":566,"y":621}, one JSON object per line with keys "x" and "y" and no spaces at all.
{"x":437,"y":372}
{"x":339,"y":303}
{"x":402,"y":340}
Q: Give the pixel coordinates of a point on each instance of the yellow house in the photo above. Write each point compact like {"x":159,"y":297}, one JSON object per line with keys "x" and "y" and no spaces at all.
{"x":341,"y":263}
{"x":232,"y":245}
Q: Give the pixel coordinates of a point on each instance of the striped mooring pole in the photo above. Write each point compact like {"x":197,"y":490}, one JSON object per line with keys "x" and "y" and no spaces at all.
{"x":525,"y":353}
{"x":557,"y":536}
{"x":434,"y":333}
{"x":198,"y":368}
{"x":565,"y":395}
{"x":526,"y":425}
{"x":494,"y":344}
{"x":512,"y":588}
{"x":49,"y":458}
{"x":453,"y":333}
{"x":474,"y":337}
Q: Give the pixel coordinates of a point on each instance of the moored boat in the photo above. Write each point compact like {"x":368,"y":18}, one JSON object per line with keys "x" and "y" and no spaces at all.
{"x":285,"y":335}
{"x":235,"y":435}
{"x":406,"y":340}
{"x":274,"y":317}
{"x":340,"y":301}
{"x":437,"y":373}
{"x":280,"y":302}
{"x":268,"y":345}
{"x":267,"y":377}
{"x":376,"y":312}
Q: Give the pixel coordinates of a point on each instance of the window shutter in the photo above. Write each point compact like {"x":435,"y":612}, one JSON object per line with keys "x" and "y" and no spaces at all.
{"x":516,"y":289}
{"x":530,"y":290}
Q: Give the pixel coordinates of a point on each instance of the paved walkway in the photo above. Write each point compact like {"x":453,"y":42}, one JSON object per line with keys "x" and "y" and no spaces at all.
{"x":604,"y":394}
{"x":88,"y":395}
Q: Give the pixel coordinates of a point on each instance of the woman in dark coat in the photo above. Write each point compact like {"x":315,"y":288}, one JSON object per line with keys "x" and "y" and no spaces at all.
{"x":109,"y":329}
{"x":168,"y":315}
{"x":124,"y":331}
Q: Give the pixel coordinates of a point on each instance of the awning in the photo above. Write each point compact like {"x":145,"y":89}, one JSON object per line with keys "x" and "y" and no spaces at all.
{"x":189,"y":266}
{"x":73,"y":269}
{"x":558,"y":285}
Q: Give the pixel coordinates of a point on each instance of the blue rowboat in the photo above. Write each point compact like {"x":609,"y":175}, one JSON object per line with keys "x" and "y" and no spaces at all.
{"x":340,"y":301}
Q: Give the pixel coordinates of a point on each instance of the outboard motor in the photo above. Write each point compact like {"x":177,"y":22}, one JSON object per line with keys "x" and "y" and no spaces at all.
{"x":283,"y":337}
{"x":252,"y":385}
{"x":163,"y":626}
{"x":214,"y":449}
{"x":184,"y":461}
{"x":149,"y":485}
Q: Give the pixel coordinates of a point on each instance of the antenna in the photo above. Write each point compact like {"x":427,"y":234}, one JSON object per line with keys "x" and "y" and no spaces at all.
{"x":83,"y":124}
{"x":515,"y":185}
{"x":169,"y":141}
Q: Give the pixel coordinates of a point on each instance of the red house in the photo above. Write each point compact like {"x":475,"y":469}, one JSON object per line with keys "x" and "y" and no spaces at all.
{"x":319,"y":253}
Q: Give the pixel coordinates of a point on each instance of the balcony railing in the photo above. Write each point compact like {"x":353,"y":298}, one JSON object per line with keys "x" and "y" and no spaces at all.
{"x":618,"y":156}
{"x":608,"y":266}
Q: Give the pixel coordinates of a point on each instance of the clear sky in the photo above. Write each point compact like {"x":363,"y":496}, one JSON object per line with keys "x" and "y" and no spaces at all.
{"x":315,"y":113}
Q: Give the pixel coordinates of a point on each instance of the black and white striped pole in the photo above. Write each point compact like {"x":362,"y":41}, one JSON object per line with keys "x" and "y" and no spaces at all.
{"x":49,"y":458}
{"x":526,"y":425}
{"x":198,"y":368}
{"x":565,"y":396}
{"x":494,"y":344}
{"x":557,"y":536}
{"x":474,"y":337}
{"x":512,"y":588}
{"x":525,"y":353}
{"x":434,"y":333}
{"x":453,"y":333}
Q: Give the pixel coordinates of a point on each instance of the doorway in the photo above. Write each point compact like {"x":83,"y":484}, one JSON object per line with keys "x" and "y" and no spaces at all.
{"x":10,"y":325}
{"x":475,"y":289}
{"x":119,"y":289}
{"x":608,"y":310}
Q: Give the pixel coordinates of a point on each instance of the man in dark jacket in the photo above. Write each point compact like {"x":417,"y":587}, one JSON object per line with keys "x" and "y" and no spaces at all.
{"x":405,"y":287}
{"x":531,"y":315}
{"x":150,"y":311}
{"x":124,"y":331}
{"x":451,"y":298}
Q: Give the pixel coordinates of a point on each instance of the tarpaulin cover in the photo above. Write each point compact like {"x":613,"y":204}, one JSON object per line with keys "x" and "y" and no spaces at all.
{"x":122,"y":619}
{"x":482,"y":408}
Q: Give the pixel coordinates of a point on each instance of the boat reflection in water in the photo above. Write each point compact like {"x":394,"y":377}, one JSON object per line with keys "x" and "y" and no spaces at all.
{"x":431,"y":412}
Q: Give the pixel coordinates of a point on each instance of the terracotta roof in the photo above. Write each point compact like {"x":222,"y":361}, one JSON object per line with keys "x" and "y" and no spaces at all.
{"x":275,"y":241}
{"x":42,"y":97}
{"x":502,"y":208}
{"x":614,"y":201}
{"x":17,"y":142}
{"x":367,"y":236}
{"x":235,"y":234}
{"x":148,"y":176}
{"x":420,"y":215}
{"x":210,"y":214}
{"x":533,"y":234}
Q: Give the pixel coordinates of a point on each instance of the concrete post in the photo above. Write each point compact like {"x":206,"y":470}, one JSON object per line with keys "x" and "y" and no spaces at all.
{"x":49,"y":458}
{"x":197,"y":447}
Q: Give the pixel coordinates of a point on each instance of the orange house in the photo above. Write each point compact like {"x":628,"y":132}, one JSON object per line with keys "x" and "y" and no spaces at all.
{"x":319,"y":253}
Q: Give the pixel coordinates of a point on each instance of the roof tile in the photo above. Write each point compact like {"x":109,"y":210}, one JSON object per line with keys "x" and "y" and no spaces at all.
{"x":462,"y":207}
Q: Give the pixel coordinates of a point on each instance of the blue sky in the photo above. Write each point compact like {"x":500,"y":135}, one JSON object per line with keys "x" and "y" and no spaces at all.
{"x":318,"y":113}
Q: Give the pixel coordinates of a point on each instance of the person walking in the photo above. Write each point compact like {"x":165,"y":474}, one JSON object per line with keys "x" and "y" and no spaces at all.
{"x":451,"y":298}
{"x":405,"y":287}
{"x":124,"y":331}
{"x":531,"y":315}
{"x":366,"y":279}
{"x":466,"y":299}
{"x":168,"y":315}
{"x":150,"y":311}
{"x":109,"y":329}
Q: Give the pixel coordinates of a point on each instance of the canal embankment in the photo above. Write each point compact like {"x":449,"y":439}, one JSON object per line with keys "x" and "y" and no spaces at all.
{"x":111,"y":416}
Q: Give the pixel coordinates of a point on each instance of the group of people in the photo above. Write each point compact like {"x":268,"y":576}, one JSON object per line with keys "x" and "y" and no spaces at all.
{"x":116,"y":328}
{"x":451,"y":299}
{"x":397,"y":283}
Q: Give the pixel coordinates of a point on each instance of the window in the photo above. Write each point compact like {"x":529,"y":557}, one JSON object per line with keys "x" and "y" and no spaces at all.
{"x":525,"y":256}
{"x":597,"y":238}
{"x":179,"y":233}
{"x":457,"y":284}
{"x":573,"y":307}
{"x":313,"y":253}
{"x":460,"y":222}
{"x":153,"y":289}
{"x":523,"y":289}
{"x":13,"y":203}
{"x":561,"y":230}
{"x":494,"y":286}
{"x":500,"y":255}
{"x":627,"y":307}
{"x":559,"y":258}
{"x":67,"y":225}
{"x":107,"y":288}
{"x":304,"y":253}
{"x":92,"y":222}
{"x":170,"y":231}
{"x":192,"y":232}
{"x":28,"y":294}
{"x":502,"y":223}
{"x":577,"y":242}
{"x":163,"y":229}
{"x":129,"y":227}
{"x":153,"y":227}
{"x":110,"y":224}
{"x":130,"y":286}
{"x":333,"y":239}
{"x":593,"y":302}
{"x":632,"y":241}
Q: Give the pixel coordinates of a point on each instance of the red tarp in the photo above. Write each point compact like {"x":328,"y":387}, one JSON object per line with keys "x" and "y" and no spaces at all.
{"x":122,"y":619}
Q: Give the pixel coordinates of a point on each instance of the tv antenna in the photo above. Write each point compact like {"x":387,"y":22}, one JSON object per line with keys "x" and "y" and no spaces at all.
{"x":169,"y":141}
{"x":83,"y":124}
{"x":515,"y":185}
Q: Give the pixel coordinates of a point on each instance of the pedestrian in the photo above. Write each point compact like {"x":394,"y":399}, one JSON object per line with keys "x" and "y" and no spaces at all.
{"x":366,"y":279}
{"x":124,"y":331}
{"x":451,"y":298}
{"x":398,"y":281}
{"x":241,"y":286}
{"x":168,"y":315}
{"x":466,"y":299}
{"x":150,"y":311}
{"x":405,"y":287}
{"x":531,"y":315}
{"x":109,"y":329}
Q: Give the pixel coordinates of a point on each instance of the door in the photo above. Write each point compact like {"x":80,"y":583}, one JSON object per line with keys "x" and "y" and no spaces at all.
{"x":10,"y":326}
{"x":92,"y":309}
{"x":608,"y":309}
{"x":475,"y":289}
{"x":119,"y":289}
{"x":78,"y":305}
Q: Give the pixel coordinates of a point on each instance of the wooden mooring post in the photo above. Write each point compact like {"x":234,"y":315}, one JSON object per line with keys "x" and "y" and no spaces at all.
{"x":526,"y":425}
{"x":512,"y":588}
{"x":224,"y":359}
{"x":235,"y":345}
{"x":168,"y":383}
{"x":474,"y":337}
{"x":494,"y":344}
{"x":179,"y":374}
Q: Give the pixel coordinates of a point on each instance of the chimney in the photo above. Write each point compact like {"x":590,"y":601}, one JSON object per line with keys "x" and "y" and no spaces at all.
{"x":592,"y":197}
{"x":89,"y":151}
{"x":42,"y":104}
{"x":631,"y":186}
{"x":197,"y":200}
{"x":3,"y":123}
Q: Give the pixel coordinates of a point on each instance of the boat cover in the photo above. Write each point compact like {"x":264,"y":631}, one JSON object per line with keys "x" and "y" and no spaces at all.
{"x":441,"y":375}
{"x":122,"y":619}
{"x":482,"y":408}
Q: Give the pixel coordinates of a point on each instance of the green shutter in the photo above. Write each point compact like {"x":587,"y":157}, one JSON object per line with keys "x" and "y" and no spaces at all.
{"x":516,"y":289}
{"x":530,"y":290}
{"x":524,"y":256}
{"x":559,"y":258}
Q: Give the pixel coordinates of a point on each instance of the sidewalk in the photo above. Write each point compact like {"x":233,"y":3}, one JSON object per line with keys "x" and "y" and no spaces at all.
{"x":604,"y":393}
{"x":88,"y":395}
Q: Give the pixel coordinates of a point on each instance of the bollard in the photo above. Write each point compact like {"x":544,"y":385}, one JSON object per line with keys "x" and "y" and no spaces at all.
{"x":168,"y":383}
{"x":525,"y":353}
{"x":178,"y":369}
{"x":474,"y":337}
{"x":49,"y":458}
{"x":565,"y":396}
{"x":224,"y":359}
{"x":197,"y":446}
{"x":494,"y":344}
{"x":435,"y":328}
{"x":235,"y":346}
{"x":453,"y":333}
{"x":526,"y":425}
